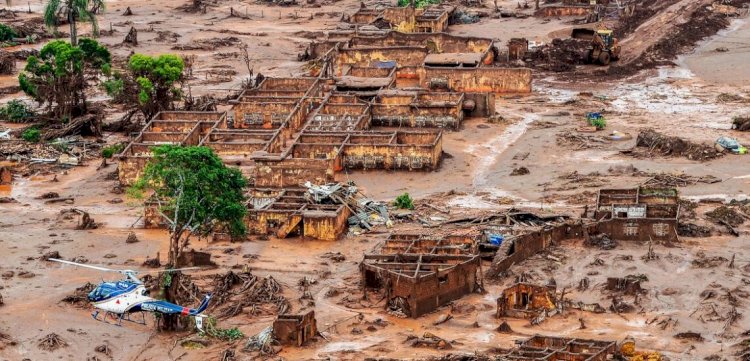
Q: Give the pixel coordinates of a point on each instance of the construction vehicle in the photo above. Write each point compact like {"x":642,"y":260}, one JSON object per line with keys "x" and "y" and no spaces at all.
{"x":604,"y":46}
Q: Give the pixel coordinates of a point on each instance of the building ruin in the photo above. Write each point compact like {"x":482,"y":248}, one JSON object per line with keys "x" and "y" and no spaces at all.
{"x":526,"y":300}
{"x":288,"y":131}
{"x":417,"y":274}
{"x":560,"y":348}
{"x":638,"y":214}
{"x":295,"y":330}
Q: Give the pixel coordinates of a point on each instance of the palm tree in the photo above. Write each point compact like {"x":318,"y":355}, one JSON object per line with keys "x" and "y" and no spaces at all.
{"x":73,"y":10}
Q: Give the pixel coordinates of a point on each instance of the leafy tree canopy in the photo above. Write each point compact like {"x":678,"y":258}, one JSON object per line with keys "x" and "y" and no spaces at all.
{"x":196,"y":193}
{"x":151,"y":83}
{"x":57,"y":77}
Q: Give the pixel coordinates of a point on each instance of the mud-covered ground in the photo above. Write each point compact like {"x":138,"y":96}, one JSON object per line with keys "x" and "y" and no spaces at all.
{"x":538,"y":131}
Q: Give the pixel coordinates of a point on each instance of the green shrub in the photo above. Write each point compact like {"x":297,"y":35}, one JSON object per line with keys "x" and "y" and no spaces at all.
{"x":404,"y":201}
{"x":7,"y":33}
{"x":109,"y":151}
{"x":32,"y":135}
{"x":417,"y":3}
{"x":114,"y":88}
{"x":16,"y":111}
{"x":599,"y":123}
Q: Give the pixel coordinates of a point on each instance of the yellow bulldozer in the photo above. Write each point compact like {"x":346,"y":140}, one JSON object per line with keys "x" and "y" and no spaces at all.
{"x":604,"y":46}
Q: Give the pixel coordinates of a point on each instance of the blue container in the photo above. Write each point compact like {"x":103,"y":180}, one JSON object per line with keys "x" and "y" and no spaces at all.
{"x":496,"y":239}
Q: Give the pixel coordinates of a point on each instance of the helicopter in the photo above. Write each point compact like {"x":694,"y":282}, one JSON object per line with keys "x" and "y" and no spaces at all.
{"x":120,"y":299}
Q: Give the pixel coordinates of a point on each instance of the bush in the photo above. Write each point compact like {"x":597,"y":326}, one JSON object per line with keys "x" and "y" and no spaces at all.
{"x":109,"y":151}
{"x":7,"y":33}
{"x":32,"y":135}
{"x":417,"y":3}
{"x":16,"y":111}
{"x":599,"y":123}
{"x":404,"y":201}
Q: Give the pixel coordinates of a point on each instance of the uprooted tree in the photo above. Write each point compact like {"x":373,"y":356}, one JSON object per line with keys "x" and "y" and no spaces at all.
{"x":150,"y":83}
{"x":59,"y":76}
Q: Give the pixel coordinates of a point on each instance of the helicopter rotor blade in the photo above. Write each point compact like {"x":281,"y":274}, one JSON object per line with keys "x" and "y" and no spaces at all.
{"x":171,"y":270}
{"x":84,"y":265}
{"x":123,"y":271}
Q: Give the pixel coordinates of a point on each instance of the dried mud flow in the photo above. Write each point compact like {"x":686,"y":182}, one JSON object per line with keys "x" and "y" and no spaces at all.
{"x":666,"y":101}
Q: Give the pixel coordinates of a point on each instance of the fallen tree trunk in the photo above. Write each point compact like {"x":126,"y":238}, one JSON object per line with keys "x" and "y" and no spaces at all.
{"x":87,"y":124}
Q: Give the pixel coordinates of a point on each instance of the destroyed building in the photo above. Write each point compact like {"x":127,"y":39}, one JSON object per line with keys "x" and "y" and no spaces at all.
{"x":526,"y":300}
{"x":559,"y":348}
{"x":433,"y":19}
{"x":295,"y":330}
{"x":417,"y":274}
{"x":288,"y":131}
{"x":638,"y":214}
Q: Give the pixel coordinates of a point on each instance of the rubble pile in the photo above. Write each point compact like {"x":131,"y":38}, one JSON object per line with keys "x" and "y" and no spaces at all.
{"x":51,"y":342}
{"x":560,"y":55}
{"x":7,"y":62}
{"x":79,"y":297}
{"x":741,"y":123}
{"x":703,"y":261}
{"x":236,"y":291}
{"x":726,"y":216}
{"x":262,"y":342}
{"x":655,"y":142}
{"x":6,"y":340}
{"x":365,"y":211}
{"x":581,"y":141}
{"x":693,"y":230}
{"x":21,"y":150}
{"x":669,"y":180}
{"x":428,"y":340}
{"x":208,"y":44}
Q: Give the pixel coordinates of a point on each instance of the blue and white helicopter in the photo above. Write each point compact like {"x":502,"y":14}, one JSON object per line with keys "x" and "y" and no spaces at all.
{"x":120,"y":299}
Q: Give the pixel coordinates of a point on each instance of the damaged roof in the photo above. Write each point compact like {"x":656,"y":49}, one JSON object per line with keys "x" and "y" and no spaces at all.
{"x":471,"y":59}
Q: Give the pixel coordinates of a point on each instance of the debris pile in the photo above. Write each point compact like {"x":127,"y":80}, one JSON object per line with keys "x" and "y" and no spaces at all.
{"x":132,"y":238}
{"x":602,"y":241}
{"x":51,"y":342}
{"x":726,"y":216}
{"x":560,"y":55}
{"x":365,"y":212}
{"x":669,"y":180}
{"x":741,"y":123}
{"x":703,"y":261}
{"x":84,"y":221}
{"x":208,"y":44}
{"x":581,"y":141}
{"x":520,"y":171}
{"x":236,"y":291}
{"x":656,"y":142}
{"x":79,"y":298}
{"x":693,"y":230}
{"x":33,"y":152}
{"x":428,"y":340}
{"x":7,"y":62}
{"x":262,"y":342}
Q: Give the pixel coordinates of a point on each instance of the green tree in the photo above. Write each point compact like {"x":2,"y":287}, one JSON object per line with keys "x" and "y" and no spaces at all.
{"x":72,"y":11}
{"x":7,"y":33}
{"x":196,"y":194}
{"x":151,"y":83}
{"x":59,"y":76}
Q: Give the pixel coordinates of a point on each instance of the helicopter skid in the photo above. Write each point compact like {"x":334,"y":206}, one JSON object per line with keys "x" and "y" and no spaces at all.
{"x":119,"y":317}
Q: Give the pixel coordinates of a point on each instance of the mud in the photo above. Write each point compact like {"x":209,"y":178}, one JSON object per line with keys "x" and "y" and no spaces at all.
{"x":690,"y":288}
